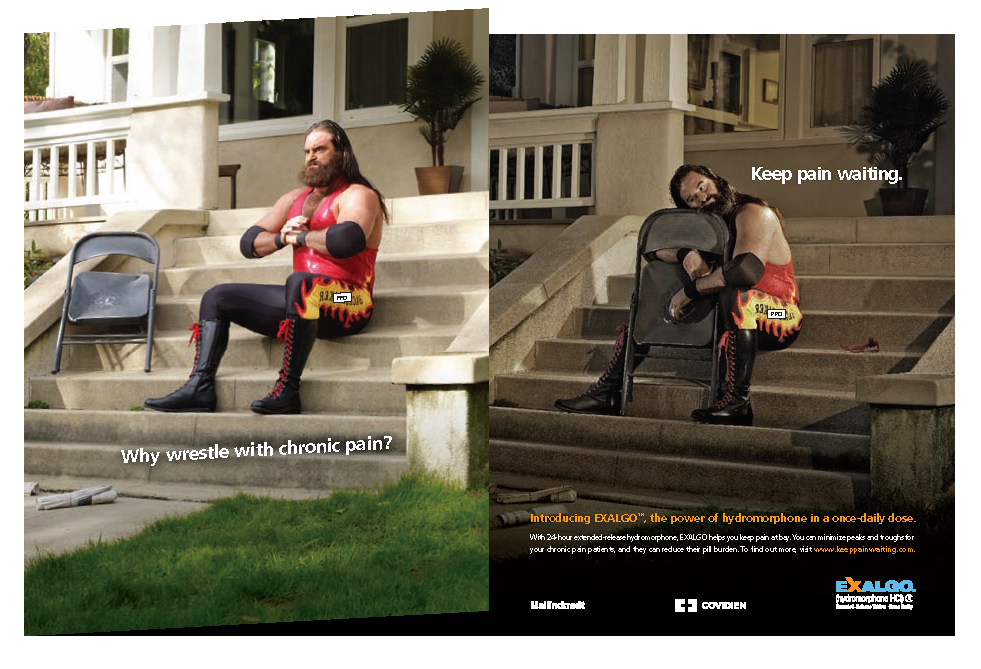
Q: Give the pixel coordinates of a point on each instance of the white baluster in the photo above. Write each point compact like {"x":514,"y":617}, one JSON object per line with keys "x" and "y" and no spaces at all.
{"x":502,"y":175}
{"x":539,"y":175}
{"x":556,"y":171}
{"x":91,"y":171}
{"x":72,"y":166}
{"x":111,"y":166}
{"x":519,"y":178}
{"x":574,"y":192}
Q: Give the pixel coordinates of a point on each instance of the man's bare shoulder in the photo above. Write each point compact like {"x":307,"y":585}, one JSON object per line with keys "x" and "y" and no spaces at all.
{"x":757,"y":215}
{"x":360,"y":195}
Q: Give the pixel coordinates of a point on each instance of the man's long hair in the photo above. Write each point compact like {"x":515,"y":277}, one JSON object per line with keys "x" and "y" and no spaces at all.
{"x":726,"y":192}
{"x":348,"y":166}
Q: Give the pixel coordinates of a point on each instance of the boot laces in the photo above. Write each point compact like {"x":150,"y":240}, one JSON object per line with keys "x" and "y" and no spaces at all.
{"x":727,"y":345}
{"x":286,"y":335}
{"x":617,"y":352}
{"x":195,"y":339}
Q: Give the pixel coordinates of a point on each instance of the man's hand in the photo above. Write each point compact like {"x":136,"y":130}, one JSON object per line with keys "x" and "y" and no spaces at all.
{"x":677,"y":305}
{"x":292,"y":229}
{"x":695,"y":265}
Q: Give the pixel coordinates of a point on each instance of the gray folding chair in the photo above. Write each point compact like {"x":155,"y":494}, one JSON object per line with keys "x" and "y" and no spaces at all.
{"x":108,"y":298}
{"x":656,"y":282}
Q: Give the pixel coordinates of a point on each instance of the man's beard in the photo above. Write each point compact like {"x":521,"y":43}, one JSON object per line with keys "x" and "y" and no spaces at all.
{"x":321,"y":176}
{"x":724,"y":201}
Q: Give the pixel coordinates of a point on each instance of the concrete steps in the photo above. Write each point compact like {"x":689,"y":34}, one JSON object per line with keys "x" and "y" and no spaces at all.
{"x":849,"y":293}
{"x":819,"y":368}
{"x":891,"y":279}
{"x":431,"y":277}
{"x":895,"y":330}
{"x":430,"y":305}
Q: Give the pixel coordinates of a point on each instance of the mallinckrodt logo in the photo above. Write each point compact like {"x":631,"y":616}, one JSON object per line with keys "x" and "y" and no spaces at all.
{"x":558,"y":605}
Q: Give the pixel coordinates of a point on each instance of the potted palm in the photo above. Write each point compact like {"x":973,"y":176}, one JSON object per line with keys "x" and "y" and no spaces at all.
{"x":903,"y":110}
{"x":440,"y":88}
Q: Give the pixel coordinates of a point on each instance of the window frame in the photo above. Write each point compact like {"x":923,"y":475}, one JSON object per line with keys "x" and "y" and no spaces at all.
{"x":807,"y":50}
{"x":329,"y":69}
{"x":794,"y":103}
{"x":755,"y":138}
{"x":111,"y":62}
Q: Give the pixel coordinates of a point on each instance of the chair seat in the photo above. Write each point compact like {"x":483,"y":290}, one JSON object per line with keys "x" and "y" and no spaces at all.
{"x":102,"y":298}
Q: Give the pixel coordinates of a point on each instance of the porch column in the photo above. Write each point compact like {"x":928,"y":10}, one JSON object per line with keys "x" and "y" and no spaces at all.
{"x":640,"y":129}
{"x":172,"y":153}
{"x":199,"y":66}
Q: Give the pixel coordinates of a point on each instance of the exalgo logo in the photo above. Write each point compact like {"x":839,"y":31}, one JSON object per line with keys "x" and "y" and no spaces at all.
{"x":867,"y":597}
{"x":850,"y":585}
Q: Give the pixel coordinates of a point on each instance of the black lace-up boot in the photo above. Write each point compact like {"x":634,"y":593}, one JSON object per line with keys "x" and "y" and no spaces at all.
{"x":734,"y":408}
{"x":198,"y":394}
{"x":603,"y":397}
{"x":298,"y":335}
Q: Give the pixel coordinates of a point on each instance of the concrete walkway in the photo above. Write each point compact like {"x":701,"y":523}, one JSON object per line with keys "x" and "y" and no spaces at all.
{"x":57,"y":531}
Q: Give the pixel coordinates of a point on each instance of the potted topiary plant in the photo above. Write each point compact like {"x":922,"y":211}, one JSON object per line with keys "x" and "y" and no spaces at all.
{"x":440,"y":88}
{"x":903,"y":110}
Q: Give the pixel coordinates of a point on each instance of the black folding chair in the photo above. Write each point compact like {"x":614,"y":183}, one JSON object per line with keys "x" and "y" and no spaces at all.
{"x":656,"y":283}
{"x":109,"y":298}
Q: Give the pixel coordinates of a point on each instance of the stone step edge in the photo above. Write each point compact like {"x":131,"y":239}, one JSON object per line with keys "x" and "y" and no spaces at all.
{"x":675,"y":458}
{"x":840,"y":277}
{"x":286,"y":261}
{"x":679,"y":352}
{"x":384,"y":456}
{"x":469,"y":289}
{"x":625,"y":306}
{"x":711,"y":467}
{"x":642,"y":420}
{"x":371,"y":375}
{"x":846,"y":395}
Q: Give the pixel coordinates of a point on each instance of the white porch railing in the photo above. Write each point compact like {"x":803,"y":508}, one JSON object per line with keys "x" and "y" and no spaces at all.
{"x":542,"y":159}
{"x":74,"y":162}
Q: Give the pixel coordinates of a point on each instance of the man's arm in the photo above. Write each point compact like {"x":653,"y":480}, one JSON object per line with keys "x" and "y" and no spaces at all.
{"x":262,"y":236}
{"x":754,"y":232}
{"x":358,"y":212}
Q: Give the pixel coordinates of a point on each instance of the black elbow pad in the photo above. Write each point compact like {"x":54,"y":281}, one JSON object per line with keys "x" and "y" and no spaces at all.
{"x":743,"y":271}
{"x":247,"y":244}
{"x":345,"y":240}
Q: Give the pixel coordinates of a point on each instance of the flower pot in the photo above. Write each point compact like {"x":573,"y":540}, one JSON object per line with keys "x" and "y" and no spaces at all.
{"x":902,"y":201}
{"x":439,"y":180}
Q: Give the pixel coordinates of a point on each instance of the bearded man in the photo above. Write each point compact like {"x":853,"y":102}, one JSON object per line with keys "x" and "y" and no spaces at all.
{"x":333,"y":227}
{"x":757,"y":289}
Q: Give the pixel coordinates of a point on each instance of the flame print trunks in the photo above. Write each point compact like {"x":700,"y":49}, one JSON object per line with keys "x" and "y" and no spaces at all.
{"x":341,"y":308}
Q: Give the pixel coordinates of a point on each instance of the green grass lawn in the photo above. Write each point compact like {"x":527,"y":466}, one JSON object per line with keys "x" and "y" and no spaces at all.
{"x":413,"y":547}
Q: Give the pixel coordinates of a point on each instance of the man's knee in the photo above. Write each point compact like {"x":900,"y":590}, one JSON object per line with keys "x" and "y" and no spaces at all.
{"x":211,"y":301}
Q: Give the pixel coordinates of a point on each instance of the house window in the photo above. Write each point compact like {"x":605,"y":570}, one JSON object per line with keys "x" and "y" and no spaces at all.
{"x":734,"y":83}
{"x":841,"y":75}
{"x":267,"y":70}
{"x":376,"y":60}
{"x":282,"y":76}
{"x":584,"y":70}
{"x":503,"y":65}
{"x":118,"y":64}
